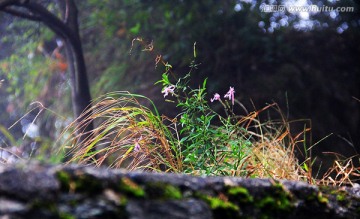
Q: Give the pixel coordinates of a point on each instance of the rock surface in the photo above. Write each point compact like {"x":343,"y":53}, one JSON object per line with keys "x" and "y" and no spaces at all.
{"x":42,"y":191}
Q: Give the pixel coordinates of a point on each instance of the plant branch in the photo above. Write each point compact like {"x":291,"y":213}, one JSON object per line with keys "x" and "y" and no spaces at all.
{"x":40,"y":13}
{"x":50,"y":20}
{"x":21,"y":14}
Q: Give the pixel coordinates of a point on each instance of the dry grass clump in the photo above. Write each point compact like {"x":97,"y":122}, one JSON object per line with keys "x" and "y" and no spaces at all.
{"x":272,"y":159}
{"x":343,"y":172}
{"x":127,"y":135}
{"x":272,"y":153}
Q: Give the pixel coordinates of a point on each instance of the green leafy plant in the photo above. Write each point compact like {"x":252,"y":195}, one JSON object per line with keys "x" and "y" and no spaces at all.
{"x":206,"y":148}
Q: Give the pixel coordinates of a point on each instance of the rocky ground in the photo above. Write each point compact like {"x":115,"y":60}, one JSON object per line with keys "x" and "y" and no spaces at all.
{"x":43,"y":191}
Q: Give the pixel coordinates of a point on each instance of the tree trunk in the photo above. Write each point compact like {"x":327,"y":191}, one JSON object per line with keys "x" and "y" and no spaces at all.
{"x":68,"y":30}
{"x":80,"y":91}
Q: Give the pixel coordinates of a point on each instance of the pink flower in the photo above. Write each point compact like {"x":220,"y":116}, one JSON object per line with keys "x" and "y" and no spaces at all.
{"x":137,"y":147}
{"x":169,"y":89}
{"x":230,"y":95}
{"x":216,"y":97}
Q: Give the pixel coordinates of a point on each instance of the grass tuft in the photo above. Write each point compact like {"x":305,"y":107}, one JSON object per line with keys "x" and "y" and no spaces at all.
{"x":127,"y":135}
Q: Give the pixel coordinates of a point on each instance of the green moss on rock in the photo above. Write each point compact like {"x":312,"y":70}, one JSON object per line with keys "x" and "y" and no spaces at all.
{"x":131,"y":188}
{"x":240,"y":194}
{"x":162,"y":191}
{"x":64,"y":179}
{"x":278,"y":200}
{"x":317,"y":198}
{"x":79,"y":183}
{"x":64,"y":215}
{"x":220,"y":206}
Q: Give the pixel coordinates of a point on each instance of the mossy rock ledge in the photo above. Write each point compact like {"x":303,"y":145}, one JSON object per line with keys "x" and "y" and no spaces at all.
{"x":42,"y":191}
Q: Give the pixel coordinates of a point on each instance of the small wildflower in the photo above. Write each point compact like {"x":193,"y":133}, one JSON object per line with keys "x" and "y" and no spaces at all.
{"x":137,"y":147}
{"x":230,"y":95}
{"x":216,"y":97}
{"x":169,"y":89}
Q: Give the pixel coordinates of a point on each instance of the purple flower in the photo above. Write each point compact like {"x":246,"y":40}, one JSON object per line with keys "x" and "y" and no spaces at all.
{"x":169,"y":89}
{"x":137,"y":147}
{"x":230,"y":95}
{"x":216,"y":97}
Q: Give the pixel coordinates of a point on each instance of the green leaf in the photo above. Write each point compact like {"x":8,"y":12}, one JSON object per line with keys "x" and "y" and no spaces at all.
{"x":305,"y":167}
{"x":135,"y":29}
{"x":204,"y":83}
{"x":195,"y":50}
